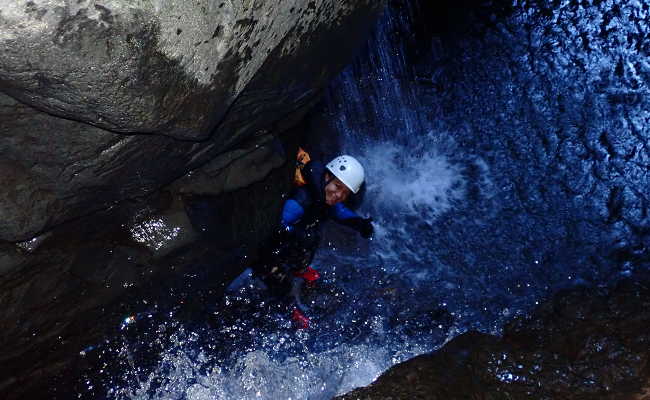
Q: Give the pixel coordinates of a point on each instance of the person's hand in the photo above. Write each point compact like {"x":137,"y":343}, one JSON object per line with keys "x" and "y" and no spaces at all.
{"x":365,"y":228}
{"x":361,"y":225}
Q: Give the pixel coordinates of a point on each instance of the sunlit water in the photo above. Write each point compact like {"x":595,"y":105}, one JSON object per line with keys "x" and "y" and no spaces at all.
{"x":378,"y":303}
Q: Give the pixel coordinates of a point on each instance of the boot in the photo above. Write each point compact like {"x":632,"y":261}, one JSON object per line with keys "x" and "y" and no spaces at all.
{"x":310,"y":276}
{"x":299,"y":319}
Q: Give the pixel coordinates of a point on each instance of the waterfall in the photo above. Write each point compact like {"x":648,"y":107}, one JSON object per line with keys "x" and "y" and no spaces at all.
{"x":452,"y":249}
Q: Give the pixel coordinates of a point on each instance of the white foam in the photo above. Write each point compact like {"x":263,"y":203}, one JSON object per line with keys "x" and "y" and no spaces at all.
{"x":256,"y":375}
{"x":412,"y":181}
{"x":410,"y":185}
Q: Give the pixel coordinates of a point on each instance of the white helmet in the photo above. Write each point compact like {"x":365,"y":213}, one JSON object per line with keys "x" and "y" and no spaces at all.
{"x":348,"y":170}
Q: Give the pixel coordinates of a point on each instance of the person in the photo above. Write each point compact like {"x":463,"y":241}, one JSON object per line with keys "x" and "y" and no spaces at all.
{"x":320,"y":193}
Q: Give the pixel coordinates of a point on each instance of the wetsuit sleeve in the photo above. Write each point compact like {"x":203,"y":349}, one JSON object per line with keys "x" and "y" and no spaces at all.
{"x":347,"y":217}
{"x":341,"y":212}
{"x":291,"y":213}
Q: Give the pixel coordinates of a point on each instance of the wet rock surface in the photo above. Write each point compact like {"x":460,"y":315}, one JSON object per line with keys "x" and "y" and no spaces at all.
{"x":167,"y":67}
{"x":583,"y":344}
{"x":553,"y":98}
{"x":544,"y":105}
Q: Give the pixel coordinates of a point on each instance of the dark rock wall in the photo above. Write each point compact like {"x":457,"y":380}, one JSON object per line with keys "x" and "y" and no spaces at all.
{"x":209,"y":74}
{"x":552,"y":99}
{"x":141,"y":143}
{"x":549,"y":183}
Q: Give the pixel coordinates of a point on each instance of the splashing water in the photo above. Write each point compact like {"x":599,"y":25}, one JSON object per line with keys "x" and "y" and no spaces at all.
{"x":411,"y":183}
{"x":256,"y":375}
{"x":248,"y":349}
{"x":408,"y":191}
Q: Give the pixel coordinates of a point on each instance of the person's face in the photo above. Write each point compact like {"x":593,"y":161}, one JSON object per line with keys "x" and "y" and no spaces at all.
{"x":335,"y":191}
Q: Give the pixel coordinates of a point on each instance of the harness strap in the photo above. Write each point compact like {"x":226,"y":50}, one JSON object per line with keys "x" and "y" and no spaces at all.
{"x":302,"y":159}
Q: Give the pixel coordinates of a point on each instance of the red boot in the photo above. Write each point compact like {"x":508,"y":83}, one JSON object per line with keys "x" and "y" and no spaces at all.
{"x":299,"y":319}
{"x":310,"y":276}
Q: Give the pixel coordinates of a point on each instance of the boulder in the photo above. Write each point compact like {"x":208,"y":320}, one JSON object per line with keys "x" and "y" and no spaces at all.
{"x":583,"y":344}
{"x":104,"y":101}
{"x":168,"y":67}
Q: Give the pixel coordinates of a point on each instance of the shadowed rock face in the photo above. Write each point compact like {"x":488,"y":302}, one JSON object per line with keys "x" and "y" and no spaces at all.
{"x":73,"y":286}
{"x":165,"y":66}
{"x":209,"y":73}
{"x":584,"y":344}
{"x":56,"y":169}
{"x":118,"y":121}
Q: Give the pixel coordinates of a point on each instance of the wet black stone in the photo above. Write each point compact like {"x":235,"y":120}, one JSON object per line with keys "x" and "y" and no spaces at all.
{"x":583,"y":344}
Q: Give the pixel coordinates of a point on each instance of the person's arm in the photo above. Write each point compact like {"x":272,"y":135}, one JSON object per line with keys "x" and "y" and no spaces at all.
{"x":345,"y":216}
{"x":291,"y":213}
